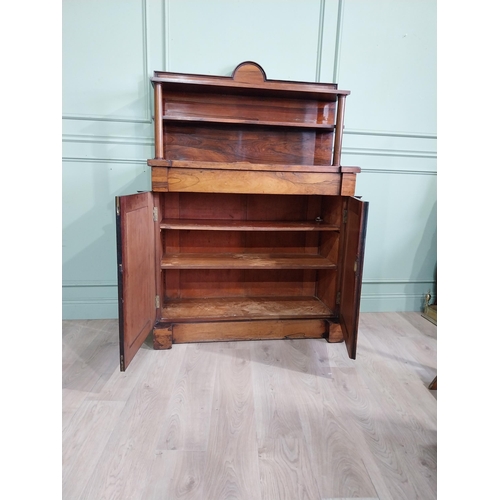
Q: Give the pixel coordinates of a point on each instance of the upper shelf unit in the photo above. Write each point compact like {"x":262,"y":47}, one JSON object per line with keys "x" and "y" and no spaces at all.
{"x":246,"y":117}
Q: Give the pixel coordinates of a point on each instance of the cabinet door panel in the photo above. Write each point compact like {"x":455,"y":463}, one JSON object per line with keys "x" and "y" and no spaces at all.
{"x":352,"y":270}
{"x":136,"y":272}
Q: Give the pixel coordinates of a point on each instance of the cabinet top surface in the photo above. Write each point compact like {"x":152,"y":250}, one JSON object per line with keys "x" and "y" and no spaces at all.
{"x":250,"y":76}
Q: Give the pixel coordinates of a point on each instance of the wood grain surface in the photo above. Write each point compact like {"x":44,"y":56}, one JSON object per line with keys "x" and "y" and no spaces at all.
{"x":263,"y":420}
{"x":247,"y":181}
{"x":244,"y":261}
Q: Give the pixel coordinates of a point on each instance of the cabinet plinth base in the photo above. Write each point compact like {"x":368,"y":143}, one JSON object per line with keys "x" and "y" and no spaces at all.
{"x":334,"y":332}
{"x":180,"y":333}
{"x":162,"y":336}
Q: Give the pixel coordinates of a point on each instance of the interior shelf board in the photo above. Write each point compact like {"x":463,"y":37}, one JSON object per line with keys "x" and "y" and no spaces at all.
{"x":272,"y":167}
{"x":245,"y":261}
{"x":243,"y":308}
{"x":244,"y":225}
{"x":242,"y":121}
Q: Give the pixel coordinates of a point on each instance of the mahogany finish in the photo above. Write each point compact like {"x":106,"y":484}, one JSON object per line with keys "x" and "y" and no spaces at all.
{"x":136,"y":273}
{"x":253,"y":231}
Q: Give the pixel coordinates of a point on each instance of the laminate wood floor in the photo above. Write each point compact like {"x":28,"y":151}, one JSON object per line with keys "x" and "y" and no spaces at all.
{"x":277,"y":420}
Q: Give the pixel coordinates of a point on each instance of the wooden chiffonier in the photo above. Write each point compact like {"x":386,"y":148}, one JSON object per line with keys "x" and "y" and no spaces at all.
{"x":251,"y":230}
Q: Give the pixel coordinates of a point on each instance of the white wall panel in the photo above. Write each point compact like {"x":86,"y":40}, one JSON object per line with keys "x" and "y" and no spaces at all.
{"x":89,"y":232}
{"x":104,"y":59}
{"x":384,"y":51}
{"x":400,"y":255}
{"x":213,"y":37}
{"x":89,"y":190}
{"x":401,"y":237}
{"x":388,"y":61}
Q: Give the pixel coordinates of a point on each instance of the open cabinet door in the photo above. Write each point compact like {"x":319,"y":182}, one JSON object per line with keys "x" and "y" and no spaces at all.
{"x":136,"y":272}
{"x":355,"y":217}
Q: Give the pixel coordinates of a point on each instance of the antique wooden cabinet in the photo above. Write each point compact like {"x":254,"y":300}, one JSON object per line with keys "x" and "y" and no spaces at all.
{"x":251,"y":230}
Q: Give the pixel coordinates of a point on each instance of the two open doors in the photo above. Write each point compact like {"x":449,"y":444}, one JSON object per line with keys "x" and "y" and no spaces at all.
{"x":137,"y":270}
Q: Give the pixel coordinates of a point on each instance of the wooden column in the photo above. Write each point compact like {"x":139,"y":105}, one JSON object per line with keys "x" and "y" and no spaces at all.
{"x":158,"y":122}
{"x":339,"y":130}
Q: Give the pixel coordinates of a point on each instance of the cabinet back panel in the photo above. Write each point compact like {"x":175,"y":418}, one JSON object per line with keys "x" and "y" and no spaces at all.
{"x":209,"y":106}
{"x":329,"y":246}
{"x":224,"y":143}
{"x":219,"y":206}
{"x":236,"y":242}
{"x":204,"y":206}
{"x":327,"y":288}
{"x":282,"y":208}
{"x":208,"y":283}
{"x":331,"y":209}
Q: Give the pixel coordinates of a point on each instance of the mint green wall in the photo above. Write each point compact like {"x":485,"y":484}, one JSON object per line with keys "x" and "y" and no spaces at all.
{"x":384,"y":51}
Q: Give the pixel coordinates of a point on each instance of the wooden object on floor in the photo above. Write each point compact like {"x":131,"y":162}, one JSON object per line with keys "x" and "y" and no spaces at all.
{"x":252,"y":230}
{"x":430,"y":310}
{"x":430,"y":313}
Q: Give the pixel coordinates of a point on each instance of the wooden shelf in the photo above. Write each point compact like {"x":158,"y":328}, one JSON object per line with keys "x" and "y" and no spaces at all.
{"x":245,"y":261}
{"x":242,"y":121}
{"x":244,"y":308}
{"x":243,"y":225}
{"x":247,"y":166}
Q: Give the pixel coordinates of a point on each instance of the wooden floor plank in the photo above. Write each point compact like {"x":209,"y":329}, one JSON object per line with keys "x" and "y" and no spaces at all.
{"x":127,"y":461}
{"x":336,"y":457}
{"x":187,"y":418}
{"x":232,"y":469}
{"x":382,"y":417}
{"x":253,"y":419}
{"x":284,"y":455}
{"x":89,"y":358}
{"x":176,"y":475}
{"x":84,"y":440}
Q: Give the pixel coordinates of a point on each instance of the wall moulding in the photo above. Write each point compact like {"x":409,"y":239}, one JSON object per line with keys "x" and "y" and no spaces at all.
{"x":376,"y":281}
{"x":83,"y":283}
{"x":387,"y":133}
{"x":103,"y":118}
{"x":105,"y":160}
{"x":320,"y":39}
{"x":85,"y":138}
{"x":390,"y":152}
{"x":397,"y":171}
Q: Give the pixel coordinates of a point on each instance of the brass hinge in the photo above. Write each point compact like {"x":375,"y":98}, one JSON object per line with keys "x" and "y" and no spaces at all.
{"x":155,"y":214}
{"x":344,"y":218}
{"x":338,"y":298}
{"x":157,"y":301}
{"x":122,"y":363}
{"x":117,"y":206}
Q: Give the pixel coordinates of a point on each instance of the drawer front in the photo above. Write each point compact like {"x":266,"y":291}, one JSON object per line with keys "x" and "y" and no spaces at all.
{"x":245,"y":181}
